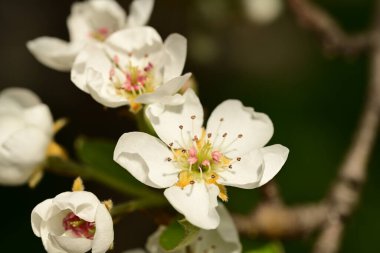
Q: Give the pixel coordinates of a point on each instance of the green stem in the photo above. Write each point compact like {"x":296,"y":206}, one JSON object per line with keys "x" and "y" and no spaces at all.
{"x":72,"y":169}
{"x":143,"y":123}
{"x":135,"y":205}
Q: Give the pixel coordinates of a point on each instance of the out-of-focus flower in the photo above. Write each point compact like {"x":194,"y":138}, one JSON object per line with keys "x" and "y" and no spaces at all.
{"x":262,"y":11}
{"x":73,"y":222}
{"x":224,"y":239}
{"x":134,"y":67}
{"x":26,"y":130}
{"x":200,"y":162}
{"x":90,"y":22}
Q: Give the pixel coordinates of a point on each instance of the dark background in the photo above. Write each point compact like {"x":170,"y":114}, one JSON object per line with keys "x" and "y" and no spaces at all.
{"x":313,"y":98}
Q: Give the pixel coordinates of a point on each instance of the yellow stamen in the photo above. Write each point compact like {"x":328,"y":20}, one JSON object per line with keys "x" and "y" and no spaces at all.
{"x":108,"y":203}
{"x":78,"y":185}
{"x":36,"y":177}
{"x":222,"y":192}
{"x":185,"y":178}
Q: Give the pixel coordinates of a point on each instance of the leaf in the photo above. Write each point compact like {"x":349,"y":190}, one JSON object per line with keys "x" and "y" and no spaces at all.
{"x":178,"y":235}
{"x":97,"y":155}
{"x":268,"y":247}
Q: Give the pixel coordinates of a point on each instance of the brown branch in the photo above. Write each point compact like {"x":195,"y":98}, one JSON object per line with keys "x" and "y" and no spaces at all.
{"x":345,"y":193}
{"x":333,"y":37}
{"x":278,"y":221}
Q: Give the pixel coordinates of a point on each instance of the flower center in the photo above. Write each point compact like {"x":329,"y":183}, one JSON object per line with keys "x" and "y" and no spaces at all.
{"x":201,"y":162}
{"x":79,"y":227}
{"x":131,"y":80}
{"x":100,"y":34}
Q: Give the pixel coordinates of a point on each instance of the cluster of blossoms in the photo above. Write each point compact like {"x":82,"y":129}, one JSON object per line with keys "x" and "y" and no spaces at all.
{"x":121,"y":62}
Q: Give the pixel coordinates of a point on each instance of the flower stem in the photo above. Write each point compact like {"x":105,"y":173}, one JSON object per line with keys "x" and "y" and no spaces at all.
{"x":73,"y":169}
{"x":135,"y":205}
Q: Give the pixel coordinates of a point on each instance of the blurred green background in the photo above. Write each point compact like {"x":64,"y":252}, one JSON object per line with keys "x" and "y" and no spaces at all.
{"x":313,"y":98}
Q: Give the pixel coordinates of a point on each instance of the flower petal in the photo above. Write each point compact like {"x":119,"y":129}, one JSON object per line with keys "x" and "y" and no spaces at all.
{"x":137,"y":40}
{"x":104,"y":234}
{"x":176,"y":51}
{"x":90,"y":58}
{"x":196,"y":202}
{"x":233,"y":119}
{"x":145,"y":157}
{"x":40,"y":213}
{"x":244,"y":173}
{"x":71,"y":244}
{"x":188,"y":116}
{"x":82,"y":203}
{"x":53,"y":52}
{"x":27,"y":146}
{"x":139,"y":12}
{"x":18,"y":98}
{"x":40,"y":117}
{"x":12,"y":174}
{"x":163,"y":94}
{"x":227,"y":230}
{"x":90,"y":16}
{"x":274,"y":158}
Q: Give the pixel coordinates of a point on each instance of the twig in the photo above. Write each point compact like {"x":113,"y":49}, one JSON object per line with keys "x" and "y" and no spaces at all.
{"x":278,"y":221}
{"x":333,"y":37}
{"x":345,"y":193}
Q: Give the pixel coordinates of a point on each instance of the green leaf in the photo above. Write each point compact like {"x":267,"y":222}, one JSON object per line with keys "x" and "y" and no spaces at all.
{"x":178,"y":235}
{"x":259,"y":247}
{"x":97,"y":156}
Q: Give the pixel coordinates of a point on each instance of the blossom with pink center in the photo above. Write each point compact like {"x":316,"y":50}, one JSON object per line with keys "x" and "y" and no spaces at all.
{"x":90,"y":23}
{"x":134,"y":67}
{"x":73,"y":222}
{"x":196,"y":164}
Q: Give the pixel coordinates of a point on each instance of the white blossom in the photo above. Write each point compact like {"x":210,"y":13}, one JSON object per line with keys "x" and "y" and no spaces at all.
{"x":195,"y":164}
{"x":224,"y":239}
{"x":90,"y":22}
{"x":134,"y":67}
{"x":26,"y":129}
{"x":73,"y":222}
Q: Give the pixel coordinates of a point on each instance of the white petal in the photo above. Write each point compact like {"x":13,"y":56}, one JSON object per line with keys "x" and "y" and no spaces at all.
{"x":40,"y":117}
{"x":163,"y":94}
{"x":12,"y":174}
{"x":167,"y":124}
{"x":9,"y":124}
{"x":82,"y":203}
{"x":90,"y":58}
{"x":71,"y":244}
{"x":227,"y":230}
{"x":137,"y":40}
{"x":40,"y":213}
{"x":103,"y":91}
{"x":18,"y":98}
{"x":145,"y":157}
{"x":27,"y":146}
{"x":176,"y":50}
{"x":274,"y":158}
{"x":53,"y":52}
{"x":104,"y":234}
{"x":89,"y":16}
{"x":196,"y":202}
{"x":245,"y":173}
{"x":139,"y":12}
{"x":256,"y":128}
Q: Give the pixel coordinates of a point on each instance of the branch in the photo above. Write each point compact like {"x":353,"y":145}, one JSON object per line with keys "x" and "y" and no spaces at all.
{"x":345,"y":193}
{"x":278,"y":221}
{"x":333,"y":37}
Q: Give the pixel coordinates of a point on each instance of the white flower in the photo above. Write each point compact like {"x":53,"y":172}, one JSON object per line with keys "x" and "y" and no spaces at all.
{"x":73,"y":222}
{"x":263,"y":11}
{"x":90,"y":22}
{"x":134,"y":67}
{"x":26,"y":129}
{"x":200,"y":163}
{"x":224,"y":239}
